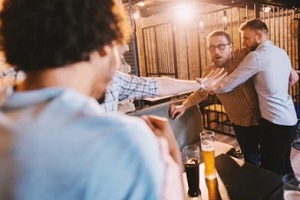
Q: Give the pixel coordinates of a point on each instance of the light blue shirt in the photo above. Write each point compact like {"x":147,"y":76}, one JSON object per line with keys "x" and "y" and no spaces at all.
{"x":66,"y":147}
{"x":270,"y":67}
{"x":125,"y":86}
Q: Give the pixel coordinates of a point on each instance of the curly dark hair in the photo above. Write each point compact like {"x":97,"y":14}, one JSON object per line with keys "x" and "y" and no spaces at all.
{"x":40,"y":34}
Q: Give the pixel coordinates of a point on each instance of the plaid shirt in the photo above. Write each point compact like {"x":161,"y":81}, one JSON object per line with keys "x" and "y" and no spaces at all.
{"x":241,"y":104}
{"x":124,"y":86}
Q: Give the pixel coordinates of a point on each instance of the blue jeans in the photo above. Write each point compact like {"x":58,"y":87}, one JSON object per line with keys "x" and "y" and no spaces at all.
{"x":275,"y":147}
{"x":248,"y":139}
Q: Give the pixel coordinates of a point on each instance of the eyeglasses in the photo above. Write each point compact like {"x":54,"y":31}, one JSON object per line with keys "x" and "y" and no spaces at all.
{"x":220,"y":47}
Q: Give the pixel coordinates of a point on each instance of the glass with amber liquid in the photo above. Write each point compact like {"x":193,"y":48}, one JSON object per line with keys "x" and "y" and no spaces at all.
{"x":207,"y":139}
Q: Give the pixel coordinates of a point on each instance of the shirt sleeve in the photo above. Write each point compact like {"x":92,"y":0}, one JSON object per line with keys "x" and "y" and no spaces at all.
{"x":128,"y":168}
{"x":134,"y":87}
{"x":246,"y":69}
{"x":195,"y":98}
{"x":198,"y":95}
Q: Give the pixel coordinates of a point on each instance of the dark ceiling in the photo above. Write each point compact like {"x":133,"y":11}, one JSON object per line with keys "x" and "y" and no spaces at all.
{"x":153,"y":7}
{"x":226,"y":2}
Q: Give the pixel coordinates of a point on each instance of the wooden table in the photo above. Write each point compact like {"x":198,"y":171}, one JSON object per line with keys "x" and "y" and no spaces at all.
{"x":150,"y":101}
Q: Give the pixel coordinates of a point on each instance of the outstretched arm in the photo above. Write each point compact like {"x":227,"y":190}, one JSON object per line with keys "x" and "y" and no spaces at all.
{"x":169,"y":86}
{"x":211,"y":81}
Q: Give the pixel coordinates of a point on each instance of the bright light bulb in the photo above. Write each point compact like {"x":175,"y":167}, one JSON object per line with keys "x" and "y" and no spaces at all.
{"x":136,"y":15}
{"x":267,"y":9}
{"x":185,"y":12}
{"x":141,"y":4}
{"x":201,"y":26}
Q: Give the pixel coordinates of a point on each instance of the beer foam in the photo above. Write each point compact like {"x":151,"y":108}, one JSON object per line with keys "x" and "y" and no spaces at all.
{"x":207,"y":148}
{"x":291,"y":195}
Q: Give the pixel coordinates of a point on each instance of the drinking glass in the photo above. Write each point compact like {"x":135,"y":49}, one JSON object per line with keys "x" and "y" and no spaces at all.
{"x":191,"y":159}
{"x":208,"y":152}
{"x":212,"y":189}
{"x":291,"y":186}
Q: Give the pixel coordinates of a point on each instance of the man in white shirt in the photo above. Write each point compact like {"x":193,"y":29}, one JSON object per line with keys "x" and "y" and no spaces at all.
{"x":269,"y":67}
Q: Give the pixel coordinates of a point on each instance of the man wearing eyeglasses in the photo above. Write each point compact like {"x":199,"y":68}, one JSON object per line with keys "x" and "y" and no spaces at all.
{"x":241,"y":104}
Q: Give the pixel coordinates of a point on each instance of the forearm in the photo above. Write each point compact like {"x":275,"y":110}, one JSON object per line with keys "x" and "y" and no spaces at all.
{"x":246,"y":69}
{"x":169,"y":86}
{"x":195,"y":98}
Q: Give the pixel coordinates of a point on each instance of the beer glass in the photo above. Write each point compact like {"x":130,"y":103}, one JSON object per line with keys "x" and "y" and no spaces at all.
{"x":213,"y":190}
{"x":291,"y":186}
{"x":191,"y":160}
{"x":208,"y":152}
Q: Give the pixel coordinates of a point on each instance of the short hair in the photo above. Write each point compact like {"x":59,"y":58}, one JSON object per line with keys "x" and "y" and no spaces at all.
{"x":254,"y":24}
{"x":40,"y":34}
{"x":219,"y":33}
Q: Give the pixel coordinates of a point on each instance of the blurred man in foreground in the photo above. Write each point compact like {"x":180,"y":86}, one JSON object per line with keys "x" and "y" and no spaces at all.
{"x":63,"y":144}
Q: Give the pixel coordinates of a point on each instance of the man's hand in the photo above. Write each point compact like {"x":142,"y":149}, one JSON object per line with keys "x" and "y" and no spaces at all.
{"x":294,"y":77}
{"x":161,"y":127}
{"x":175,"y":112}
{"x":211,"y":81}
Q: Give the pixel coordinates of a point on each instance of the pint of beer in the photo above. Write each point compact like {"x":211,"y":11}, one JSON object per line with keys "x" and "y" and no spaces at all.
{"x":213,"y":190}
{"x":191,"y":159}
{"x":208,"y":152}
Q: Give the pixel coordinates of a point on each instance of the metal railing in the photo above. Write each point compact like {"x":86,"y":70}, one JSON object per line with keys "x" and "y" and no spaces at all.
{"x":181,"y":51}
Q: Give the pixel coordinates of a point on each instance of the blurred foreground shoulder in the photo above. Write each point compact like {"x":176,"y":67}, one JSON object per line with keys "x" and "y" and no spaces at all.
{"x":135,"y":165}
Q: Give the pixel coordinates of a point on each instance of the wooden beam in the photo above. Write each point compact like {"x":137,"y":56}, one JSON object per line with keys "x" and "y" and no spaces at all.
{"x":133,"y":1}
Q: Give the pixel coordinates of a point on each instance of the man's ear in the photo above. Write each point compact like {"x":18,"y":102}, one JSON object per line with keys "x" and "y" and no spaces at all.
{"x":259,"y":35}
{"x":104,"y":51}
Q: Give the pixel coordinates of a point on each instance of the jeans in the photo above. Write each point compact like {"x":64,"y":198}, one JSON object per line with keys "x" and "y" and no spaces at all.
{"x":248,"y":139}
{"x":275,"y":147}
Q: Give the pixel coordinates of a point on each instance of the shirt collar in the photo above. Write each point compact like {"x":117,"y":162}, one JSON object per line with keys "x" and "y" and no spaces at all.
{"x":264,"y":44}
{"x":22,"y":99}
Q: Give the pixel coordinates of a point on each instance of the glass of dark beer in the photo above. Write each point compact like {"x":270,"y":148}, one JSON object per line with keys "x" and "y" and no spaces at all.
{"x":191,"y":159}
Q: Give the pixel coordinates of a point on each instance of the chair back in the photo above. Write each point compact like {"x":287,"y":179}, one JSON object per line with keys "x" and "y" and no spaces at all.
{"x":186,"y":128}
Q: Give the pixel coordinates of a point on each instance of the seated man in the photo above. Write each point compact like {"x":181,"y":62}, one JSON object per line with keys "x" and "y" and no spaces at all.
{"x":63,"y":144}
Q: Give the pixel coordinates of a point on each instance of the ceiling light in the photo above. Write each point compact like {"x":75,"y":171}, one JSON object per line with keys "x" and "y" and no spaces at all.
{"x":136,"y":15}
{"x":141,"y":4}
{"x":225,"y":20}
{"x":267,"y":9}
{"x":201,"y":26}
{"x":185,"y":12}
